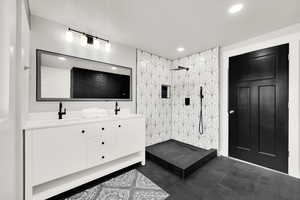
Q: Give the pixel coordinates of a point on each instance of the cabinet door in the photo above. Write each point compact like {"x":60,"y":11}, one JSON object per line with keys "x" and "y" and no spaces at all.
{"x":130,"y":136}
{"x":101,"y":142}
{"x":57,"y":152}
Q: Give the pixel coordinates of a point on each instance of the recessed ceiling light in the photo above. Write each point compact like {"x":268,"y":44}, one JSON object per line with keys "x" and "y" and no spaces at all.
{"x":236,"y":8}
{"x":62,"y":58}
{"x":113,"y":68}
{"x":180,"y":49}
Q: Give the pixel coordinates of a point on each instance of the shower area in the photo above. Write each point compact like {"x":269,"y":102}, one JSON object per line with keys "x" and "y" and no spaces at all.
{"x":182,"y":120}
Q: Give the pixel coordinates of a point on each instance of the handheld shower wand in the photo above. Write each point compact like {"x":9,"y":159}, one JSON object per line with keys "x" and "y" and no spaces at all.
{"x":201,"y":92}
{"x":201,"y":129}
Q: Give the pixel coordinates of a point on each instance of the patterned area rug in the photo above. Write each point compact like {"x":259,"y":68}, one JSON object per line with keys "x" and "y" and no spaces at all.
{"x":129,"y":186}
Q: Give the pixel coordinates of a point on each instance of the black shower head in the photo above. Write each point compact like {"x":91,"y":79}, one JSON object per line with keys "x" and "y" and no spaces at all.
{"x":180,"y":68}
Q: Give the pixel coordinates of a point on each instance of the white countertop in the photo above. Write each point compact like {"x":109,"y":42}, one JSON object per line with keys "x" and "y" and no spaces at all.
{"x":38,"y":123}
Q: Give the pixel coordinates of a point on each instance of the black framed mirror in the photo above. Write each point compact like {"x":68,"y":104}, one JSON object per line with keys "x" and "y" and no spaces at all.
{"x":62,"y":77}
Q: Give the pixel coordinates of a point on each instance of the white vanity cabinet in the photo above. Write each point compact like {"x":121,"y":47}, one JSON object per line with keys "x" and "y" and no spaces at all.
{"x":59,"y":157}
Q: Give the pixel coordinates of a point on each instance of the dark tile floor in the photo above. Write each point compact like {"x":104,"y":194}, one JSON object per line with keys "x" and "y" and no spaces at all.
{"x":220,"y":179}
{"x":225,"y":179}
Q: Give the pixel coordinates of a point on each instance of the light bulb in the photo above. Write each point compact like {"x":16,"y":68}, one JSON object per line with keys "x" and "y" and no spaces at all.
{"x":62,"y":58}
{"x":83,"y":40}
{"x":69,"y":36}
{"x":107,"y":46}
{"x":180,"y":49}
{"x":96,"y":44}
{"x":235,"y":8}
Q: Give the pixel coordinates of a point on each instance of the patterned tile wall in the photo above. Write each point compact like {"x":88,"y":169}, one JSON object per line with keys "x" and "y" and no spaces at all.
{"x":170,"y":118}
{"x":152,"y":72}
{"x":203,"y":71}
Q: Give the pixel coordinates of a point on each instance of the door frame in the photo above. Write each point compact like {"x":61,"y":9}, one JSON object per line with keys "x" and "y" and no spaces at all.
{"x":294,"y":89}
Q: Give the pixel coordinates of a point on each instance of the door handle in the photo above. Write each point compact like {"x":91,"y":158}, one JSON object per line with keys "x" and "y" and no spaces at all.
{"x":231,"y":112}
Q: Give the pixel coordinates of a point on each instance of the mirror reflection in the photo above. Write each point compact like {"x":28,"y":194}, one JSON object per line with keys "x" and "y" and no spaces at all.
{"x":62,"y":77}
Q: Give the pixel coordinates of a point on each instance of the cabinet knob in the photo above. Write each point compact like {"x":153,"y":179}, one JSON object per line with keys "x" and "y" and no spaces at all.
{"x":102,"y":142}
{"x":102,"y":129}
{"x":83,"y":131}
{"x":119,"y":125}
{"x":102,"y":157}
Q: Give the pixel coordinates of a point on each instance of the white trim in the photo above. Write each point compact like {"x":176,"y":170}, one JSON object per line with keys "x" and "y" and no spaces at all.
{"x":294,"y":90}
{"x":28,"y":12}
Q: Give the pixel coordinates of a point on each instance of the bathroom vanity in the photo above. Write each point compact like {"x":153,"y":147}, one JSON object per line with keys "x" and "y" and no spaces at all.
{"x":63,"y":154}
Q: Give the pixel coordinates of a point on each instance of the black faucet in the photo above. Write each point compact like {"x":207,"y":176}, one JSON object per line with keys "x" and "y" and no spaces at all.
{"x":60,"y":113}
{"x":117,"y":108}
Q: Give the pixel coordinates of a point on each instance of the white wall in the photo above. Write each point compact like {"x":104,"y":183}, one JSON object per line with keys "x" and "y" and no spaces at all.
{"x":289,"y":35}
{"x":7,"y":121}
{"x":4,"y":59}
{"x":14,"y":26}
{"x":50,"y":36}
{"x":25,"y":62}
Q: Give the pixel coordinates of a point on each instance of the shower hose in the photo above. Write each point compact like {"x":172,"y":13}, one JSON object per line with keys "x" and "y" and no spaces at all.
{"x":201,"y":130}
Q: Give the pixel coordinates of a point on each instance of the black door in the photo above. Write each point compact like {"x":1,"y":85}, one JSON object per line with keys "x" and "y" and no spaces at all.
{"x":258,"y":107}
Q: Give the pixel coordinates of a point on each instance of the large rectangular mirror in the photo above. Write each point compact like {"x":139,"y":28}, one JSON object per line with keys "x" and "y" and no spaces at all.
{"x":67,"y":78}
